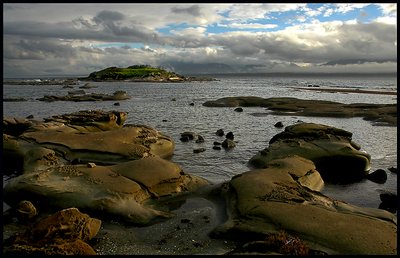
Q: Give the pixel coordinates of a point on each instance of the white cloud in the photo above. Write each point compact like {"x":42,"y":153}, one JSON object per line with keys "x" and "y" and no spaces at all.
{"x":344,"y":8}
{"x":387,"y":20}
{"x":190,"y":32}
{"x":250,"y":26}
{"x":388,"y":9}
{"x":259,"y":11}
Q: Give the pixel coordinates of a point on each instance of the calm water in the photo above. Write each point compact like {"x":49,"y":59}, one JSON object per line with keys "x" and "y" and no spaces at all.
{"x":152,"y":104}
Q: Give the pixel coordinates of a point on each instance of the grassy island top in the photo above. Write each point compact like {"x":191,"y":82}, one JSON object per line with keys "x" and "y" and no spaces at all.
{"x":141,"y":72}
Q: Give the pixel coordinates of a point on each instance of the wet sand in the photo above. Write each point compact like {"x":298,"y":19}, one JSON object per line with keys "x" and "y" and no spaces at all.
{"x":187,"y":233}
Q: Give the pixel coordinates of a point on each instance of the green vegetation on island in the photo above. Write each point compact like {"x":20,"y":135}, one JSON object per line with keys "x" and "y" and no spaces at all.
{"x":139,"y":73}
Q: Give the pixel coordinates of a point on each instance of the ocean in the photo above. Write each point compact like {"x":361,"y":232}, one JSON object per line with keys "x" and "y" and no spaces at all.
{"x":174,"y":108}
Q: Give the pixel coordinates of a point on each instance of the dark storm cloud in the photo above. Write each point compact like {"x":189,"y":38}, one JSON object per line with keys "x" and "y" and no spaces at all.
{"x":193,"y":10}
{"x":37,"y":49}
{"x":108,"y":16}
{"x":104,"y":26}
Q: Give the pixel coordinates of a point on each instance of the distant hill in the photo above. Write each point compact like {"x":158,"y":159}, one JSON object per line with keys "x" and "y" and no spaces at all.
{"x":140,"y":73}
{"x":135,"y":73}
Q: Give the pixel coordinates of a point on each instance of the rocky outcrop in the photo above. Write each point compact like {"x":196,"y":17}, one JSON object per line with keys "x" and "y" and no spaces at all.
{"x":379,"y":114}
{"x":120,"y":190}
{"x":336,"y":157}
{"x":86,"y":136}
{"x":78,"y":97}
{"x":92,"y":161}
{"x":63,"y":233}
{"x":141,"y":73}
{"x":284,"y":196}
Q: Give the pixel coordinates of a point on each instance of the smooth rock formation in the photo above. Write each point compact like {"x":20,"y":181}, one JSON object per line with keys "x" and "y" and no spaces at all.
{"x":335,"y":155}
{"x":94,"y":136}
{"x":120,"y":190}
{"x":91,"y":161}
{"x":284,"y":196}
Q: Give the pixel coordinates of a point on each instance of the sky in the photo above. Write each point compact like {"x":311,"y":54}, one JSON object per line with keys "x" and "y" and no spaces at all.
{"x":189,"y":38}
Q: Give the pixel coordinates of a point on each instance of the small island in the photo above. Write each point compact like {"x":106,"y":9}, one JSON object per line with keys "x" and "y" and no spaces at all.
{"x":140,"y":73}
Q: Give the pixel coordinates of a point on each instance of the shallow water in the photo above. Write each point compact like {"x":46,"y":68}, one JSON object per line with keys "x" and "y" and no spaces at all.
{"x":166,"y":107}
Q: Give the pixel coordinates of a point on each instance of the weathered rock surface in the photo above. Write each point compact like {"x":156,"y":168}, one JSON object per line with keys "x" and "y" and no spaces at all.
{"x":120,"y":190}
{"x":63,"y":233}
{"x":336,"y":157}
{"x":284,"y":196}
{"x":126,"y":165}
{"x":379,"y":114}
{"x":88,"y":136}
{"x":118,"y":95}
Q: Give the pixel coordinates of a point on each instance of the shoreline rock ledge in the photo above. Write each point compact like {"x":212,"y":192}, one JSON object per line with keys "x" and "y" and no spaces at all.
{"x":284,"y":197}
{"x":91,"y":161}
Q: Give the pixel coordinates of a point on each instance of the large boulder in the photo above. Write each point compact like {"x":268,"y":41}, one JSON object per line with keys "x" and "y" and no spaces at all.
{"x":65,"y":232}
{"x":336,"y":156}
{"x":121,"y":190}
{"x":284,"y":196}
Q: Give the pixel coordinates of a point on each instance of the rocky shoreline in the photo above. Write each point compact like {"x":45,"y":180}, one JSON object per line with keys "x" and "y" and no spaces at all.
{"x":378,"y":114}
{"x":89,"y":166}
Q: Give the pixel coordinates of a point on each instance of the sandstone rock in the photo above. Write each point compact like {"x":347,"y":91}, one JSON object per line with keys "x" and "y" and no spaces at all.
{"x":90,"y":136}
{"x":265,"y":201}
{"x":64,"y":232}
{"x":25,"y":211}
{"x":120,"y":190}
{"x":328,"y":147}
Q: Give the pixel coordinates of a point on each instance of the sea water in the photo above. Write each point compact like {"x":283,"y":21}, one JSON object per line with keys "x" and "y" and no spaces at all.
{"x":174,"y":108}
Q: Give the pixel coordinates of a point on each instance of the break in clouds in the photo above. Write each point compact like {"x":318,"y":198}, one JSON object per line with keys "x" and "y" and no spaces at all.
{"x":199,"y":38}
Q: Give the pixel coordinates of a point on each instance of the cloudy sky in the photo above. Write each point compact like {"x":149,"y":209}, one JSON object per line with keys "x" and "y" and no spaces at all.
{"x":77,"y":39}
